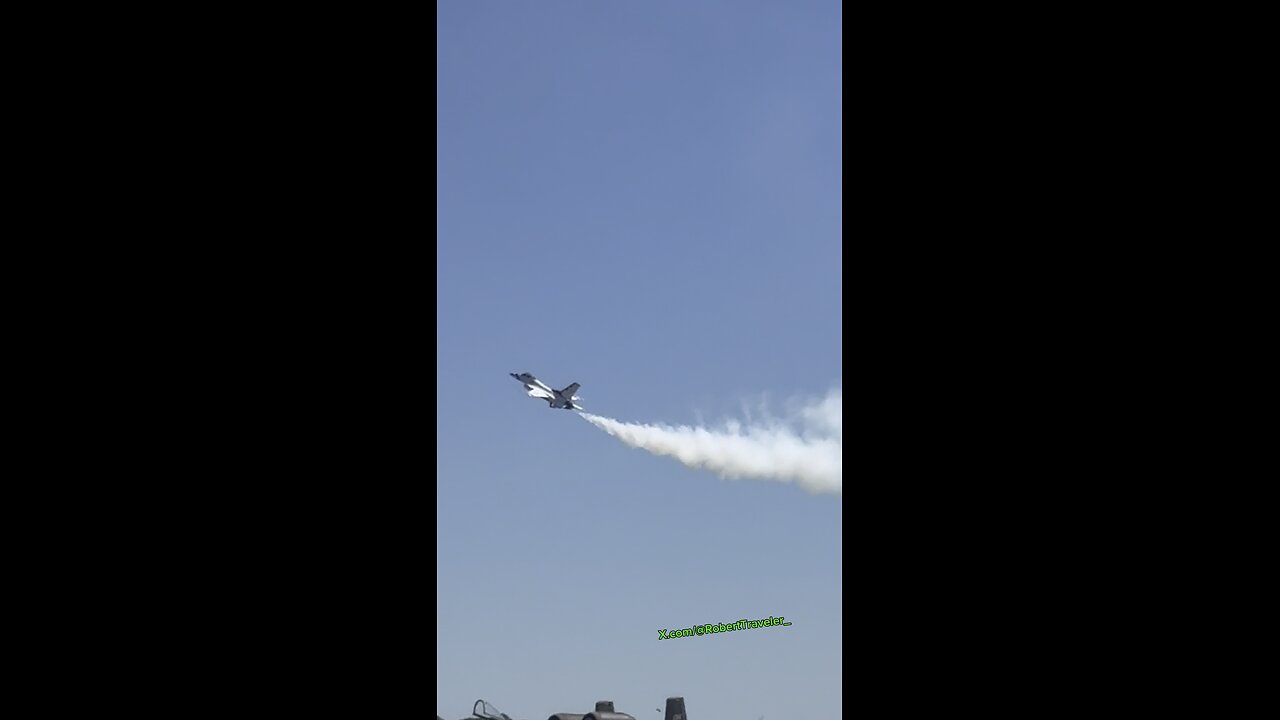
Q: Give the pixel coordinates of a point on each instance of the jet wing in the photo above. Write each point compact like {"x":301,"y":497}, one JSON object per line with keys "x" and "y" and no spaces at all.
{"x":538,"y":392}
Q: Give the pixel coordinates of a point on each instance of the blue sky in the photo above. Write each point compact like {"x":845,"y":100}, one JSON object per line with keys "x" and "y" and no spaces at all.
{"x":644,"y":198}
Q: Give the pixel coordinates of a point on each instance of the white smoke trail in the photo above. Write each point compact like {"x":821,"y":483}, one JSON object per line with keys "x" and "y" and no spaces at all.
{"x":807,"y":451}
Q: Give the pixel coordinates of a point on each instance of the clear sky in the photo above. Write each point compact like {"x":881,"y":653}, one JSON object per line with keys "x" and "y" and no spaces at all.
{"x":645,"y":198}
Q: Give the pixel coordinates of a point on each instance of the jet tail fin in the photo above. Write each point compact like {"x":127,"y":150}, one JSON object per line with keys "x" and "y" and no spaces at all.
{"x":569,"y":391}
{"x":675,"y":709}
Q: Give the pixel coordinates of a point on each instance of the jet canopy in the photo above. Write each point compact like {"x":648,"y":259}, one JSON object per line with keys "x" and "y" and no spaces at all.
{"x":484,"y":710}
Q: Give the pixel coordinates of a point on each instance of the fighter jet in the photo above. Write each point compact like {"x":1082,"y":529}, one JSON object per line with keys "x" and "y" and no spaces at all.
{"x":555,"y":398}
